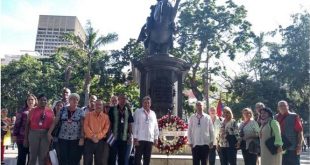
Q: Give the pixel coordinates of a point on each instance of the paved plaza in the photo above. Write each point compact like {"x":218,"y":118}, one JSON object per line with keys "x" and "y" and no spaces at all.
{"x":10,"y":158}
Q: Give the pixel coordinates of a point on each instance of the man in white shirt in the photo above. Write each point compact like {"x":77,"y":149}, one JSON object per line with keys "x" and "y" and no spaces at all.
{"x":145,"y":132}
{"x":200,"y":135}
{"x":216,"y":125}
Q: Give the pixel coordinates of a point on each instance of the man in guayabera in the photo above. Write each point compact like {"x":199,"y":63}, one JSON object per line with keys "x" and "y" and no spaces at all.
{"x":200,"y":135}
{"x":145,"y":132}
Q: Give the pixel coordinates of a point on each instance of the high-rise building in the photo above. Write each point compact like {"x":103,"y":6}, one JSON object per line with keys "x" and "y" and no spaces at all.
{"x":50,"y":32}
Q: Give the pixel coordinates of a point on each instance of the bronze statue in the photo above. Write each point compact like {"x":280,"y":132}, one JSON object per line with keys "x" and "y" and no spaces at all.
{"x":159,"y":28}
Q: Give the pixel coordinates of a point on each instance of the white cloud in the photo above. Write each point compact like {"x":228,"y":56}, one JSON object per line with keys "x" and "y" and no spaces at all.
{"x":266,"y":15}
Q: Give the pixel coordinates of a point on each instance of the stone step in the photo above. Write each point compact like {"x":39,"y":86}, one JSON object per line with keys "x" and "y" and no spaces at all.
{"x":183,"y":160}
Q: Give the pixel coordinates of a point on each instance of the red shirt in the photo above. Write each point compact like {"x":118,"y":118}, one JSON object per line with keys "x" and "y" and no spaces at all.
{"x":41,"y":119}
{"x":297,"y":123}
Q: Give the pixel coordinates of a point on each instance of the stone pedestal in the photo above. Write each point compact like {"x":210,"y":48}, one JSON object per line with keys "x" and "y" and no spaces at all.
{"x":161,"y":77}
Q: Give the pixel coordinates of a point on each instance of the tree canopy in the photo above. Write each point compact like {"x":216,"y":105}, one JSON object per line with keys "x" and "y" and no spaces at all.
{"x":205,"y":30}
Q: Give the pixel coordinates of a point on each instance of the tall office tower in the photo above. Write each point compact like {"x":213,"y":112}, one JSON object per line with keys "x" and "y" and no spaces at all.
{"x":51,"y":29}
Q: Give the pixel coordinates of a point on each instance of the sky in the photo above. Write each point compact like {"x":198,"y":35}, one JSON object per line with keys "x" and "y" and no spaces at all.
{"x":19,"y":18}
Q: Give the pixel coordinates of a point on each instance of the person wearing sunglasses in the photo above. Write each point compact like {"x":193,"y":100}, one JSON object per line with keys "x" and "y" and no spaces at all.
{"x":200,"y":135}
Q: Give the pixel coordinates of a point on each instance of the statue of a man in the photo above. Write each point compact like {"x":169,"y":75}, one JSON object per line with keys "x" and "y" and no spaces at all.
{"x":157,"y":32}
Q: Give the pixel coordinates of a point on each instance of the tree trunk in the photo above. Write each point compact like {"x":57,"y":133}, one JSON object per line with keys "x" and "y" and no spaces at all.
{"x":87,"y":82}
{"x":207,"y":83}
{"x":67,"y":76}
{"x":194,"y":87}
{"x":175,"y":9}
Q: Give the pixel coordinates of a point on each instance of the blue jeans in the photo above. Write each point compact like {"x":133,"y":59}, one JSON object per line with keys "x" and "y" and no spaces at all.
{"x":128,"y":152}
{"x":290,"y":157}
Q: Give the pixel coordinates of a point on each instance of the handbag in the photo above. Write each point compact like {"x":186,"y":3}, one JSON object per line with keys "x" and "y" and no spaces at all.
{"x":52,"y":158}
{"x":254,"y":146}
{"x":270,"y":142}
{"x":232,"y":140}
{"x":57,"y":128}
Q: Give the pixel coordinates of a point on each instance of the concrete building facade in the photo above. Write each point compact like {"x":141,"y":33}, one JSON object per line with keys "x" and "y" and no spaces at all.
{"x":50,"y":32}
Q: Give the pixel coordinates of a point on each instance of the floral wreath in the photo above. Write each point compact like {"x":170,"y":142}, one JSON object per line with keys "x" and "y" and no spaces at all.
{"x":172,"y":136}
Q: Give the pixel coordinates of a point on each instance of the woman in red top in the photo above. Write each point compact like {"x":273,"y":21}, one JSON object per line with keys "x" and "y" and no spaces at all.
{"x":39,"y":121}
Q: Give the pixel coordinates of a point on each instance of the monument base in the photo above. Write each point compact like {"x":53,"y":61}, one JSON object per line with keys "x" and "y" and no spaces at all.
{"x":184,"y":158}
{"x":161,"y":77}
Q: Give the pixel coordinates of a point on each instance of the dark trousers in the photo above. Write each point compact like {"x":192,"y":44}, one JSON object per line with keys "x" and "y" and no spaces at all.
{"x":249,"y":158}
{"x":290,"y":157}
{"x":2,"y":150}
{"x":143,"y":149}
{"x":70,"y":152}
{"x":118,"y":149}
{"x":212,"y":155}
{"x":106,"y":150}
{"x":96,"y":150}
{"x":200,"y":154}
{"x":228,"y":155}
{"x":23,"y":152}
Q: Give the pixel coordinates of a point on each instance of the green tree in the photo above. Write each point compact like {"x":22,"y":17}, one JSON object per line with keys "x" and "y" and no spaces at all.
{"x":28,"y":75}
{"x":209,"y":31}
{"x":91,"y":49}
{"x":290,"y":62}
{"x":281,"y":70}
{"x":246,"y":92}
{"x":18,"y":79}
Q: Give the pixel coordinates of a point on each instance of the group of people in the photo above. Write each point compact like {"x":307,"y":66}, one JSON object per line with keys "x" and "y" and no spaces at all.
{"x":277,"y":139}
{"x":105,"y":133}
{"x":108,"y":133}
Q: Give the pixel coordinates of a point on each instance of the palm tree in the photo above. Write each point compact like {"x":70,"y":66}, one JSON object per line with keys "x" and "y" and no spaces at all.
{"x":91,"y":48}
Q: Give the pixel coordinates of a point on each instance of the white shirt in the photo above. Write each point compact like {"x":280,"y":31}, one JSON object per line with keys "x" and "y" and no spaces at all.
{"x":200,"y":130}
{"x":217,"y":127}
{"x":145,"y":127}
